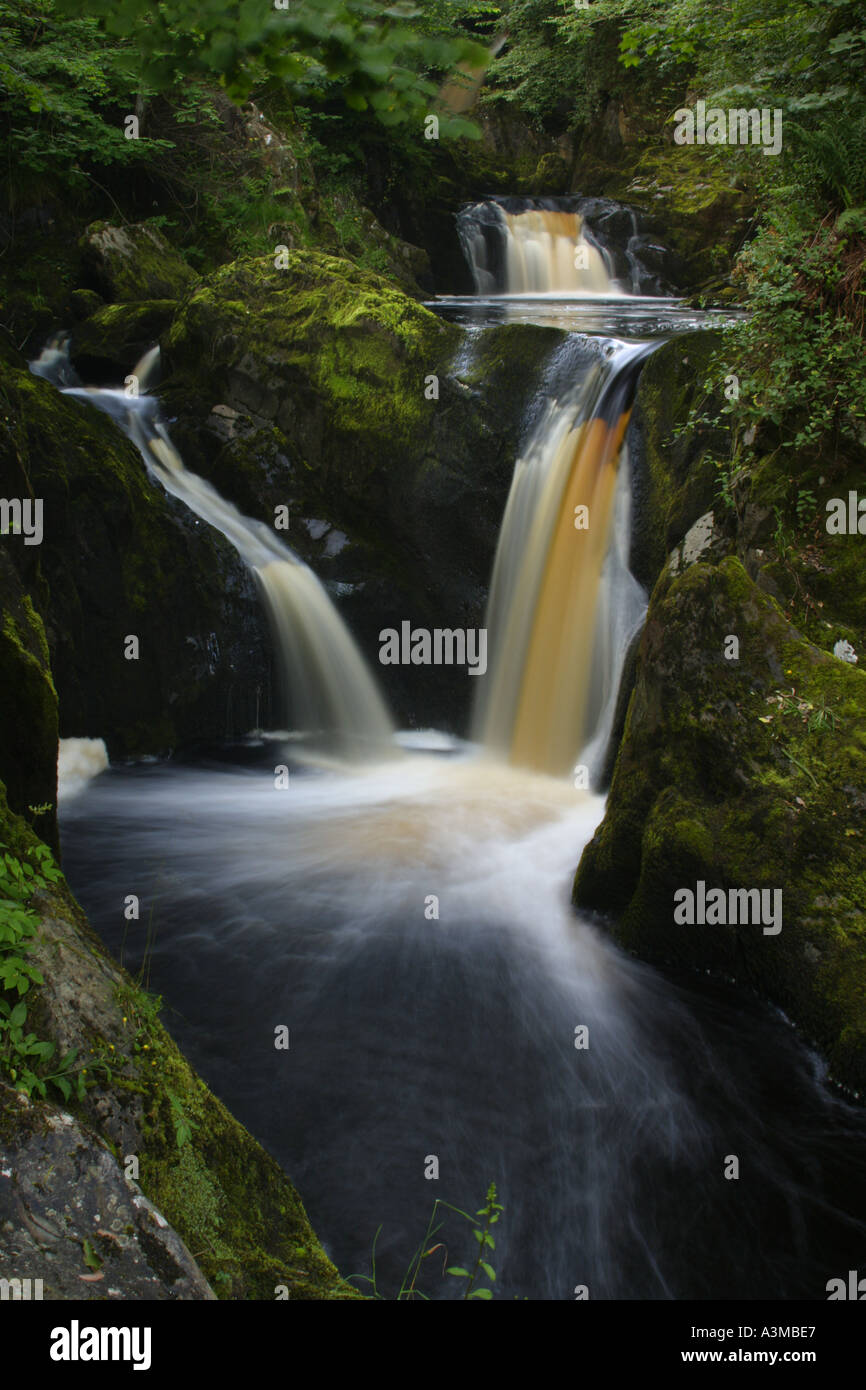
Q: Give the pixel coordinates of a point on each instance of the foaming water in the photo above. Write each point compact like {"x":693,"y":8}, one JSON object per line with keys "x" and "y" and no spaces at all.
{"x":410,"y":924}
{"x":79,"y":760}
{"x":542,"y":251}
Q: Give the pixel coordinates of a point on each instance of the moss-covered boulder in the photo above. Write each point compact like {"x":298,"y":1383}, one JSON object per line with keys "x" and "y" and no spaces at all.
{"x":154,"y":1118}
{"x":323,"y":387}
{"x":118,"y":557}
{"x":110,"y":341}
{"x":133,"y":262}
{"x":747,"y":771}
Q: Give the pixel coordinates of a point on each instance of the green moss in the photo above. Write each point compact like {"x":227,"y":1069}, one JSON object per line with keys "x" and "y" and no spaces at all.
{"x":235,"y":1209}
{"x":676,"y":477}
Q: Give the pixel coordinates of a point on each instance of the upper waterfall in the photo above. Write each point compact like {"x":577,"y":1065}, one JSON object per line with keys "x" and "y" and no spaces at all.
{"x":563,"y":246}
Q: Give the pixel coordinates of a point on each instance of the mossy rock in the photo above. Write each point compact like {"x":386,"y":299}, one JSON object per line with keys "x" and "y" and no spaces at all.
{"x":133,"y":262}
{"x":675,"y":480}
{"x":551,"y":175}
{"x":112,"y":340}
{"x":705,"y":206}
{"x":745,"y":773}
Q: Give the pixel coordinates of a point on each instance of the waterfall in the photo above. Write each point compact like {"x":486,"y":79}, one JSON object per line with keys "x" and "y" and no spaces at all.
{"x":331,"y":691}
{"x":546,"y":251}
{"x":549,"y":252}
{"x":563,"y":247}
{"x":563,"y":605}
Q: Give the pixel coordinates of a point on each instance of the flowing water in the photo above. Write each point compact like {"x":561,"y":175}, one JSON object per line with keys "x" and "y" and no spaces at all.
{"x":408,"y":920}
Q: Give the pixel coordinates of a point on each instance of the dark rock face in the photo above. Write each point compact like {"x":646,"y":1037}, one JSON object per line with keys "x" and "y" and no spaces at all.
{"x":725,"y":776}
{"x":71,"y":1219}
{"x":108,"y":344}
{"x":331,"y":392}
{"x":675,"y":481}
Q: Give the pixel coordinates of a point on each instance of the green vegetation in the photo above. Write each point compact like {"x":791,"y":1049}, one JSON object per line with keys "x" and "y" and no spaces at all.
{"x":28,"y":1062}
{"x":379,"y":57}
{"x":409,"y":1289}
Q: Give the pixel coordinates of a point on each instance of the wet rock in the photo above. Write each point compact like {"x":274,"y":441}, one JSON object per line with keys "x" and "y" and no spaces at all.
{"x":110,"y":342}
{"x":70,"y":1219}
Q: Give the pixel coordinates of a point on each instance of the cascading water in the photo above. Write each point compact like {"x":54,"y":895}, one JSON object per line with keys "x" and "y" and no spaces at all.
{"x":563,"y":604}
{"x":410,"y":924}
{"x":331,"y":690}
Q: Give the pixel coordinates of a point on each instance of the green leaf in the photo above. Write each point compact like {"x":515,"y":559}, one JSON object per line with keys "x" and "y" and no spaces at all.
{"x":91,"y":1259}
{"x":481,"y":1293}
{"x":489,"y":1271}
{"x":459,"y":1272}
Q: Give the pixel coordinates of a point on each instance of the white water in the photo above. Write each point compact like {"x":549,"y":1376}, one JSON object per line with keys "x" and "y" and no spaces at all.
{"x":79,"y":760}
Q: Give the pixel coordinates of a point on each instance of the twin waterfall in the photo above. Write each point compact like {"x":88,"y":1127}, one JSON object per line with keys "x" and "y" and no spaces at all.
{"x":562,"y":606}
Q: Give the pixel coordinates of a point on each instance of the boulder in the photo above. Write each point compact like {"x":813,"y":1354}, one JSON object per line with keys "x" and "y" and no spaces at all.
{"x":133,"y":262}
{"x":743,"y":772}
